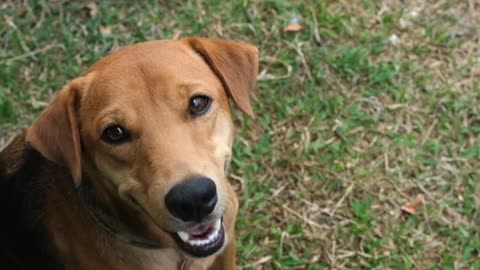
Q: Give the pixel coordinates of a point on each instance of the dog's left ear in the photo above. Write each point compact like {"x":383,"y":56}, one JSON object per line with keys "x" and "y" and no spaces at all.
{"x":234,"y":63}
{"x":55,"y":134}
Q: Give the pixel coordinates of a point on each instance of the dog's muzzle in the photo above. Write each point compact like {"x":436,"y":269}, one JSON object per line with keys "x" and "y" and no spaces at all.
{"x":193,"y":201}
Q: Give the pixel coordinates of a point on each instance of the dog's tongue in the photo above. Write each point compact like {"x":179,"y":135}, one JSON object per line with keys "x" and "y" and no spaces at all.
{"x":199,"y":229}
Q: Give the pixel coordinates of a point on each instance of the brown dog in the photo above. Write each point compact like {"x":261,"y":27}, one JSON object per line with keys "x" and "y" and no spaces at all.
{"x":125,"y":169}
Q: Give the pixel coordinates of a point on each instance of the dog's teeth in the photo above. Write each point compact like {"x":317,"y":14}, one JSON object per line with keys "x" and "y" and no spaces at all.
{"x":217,"y":224}
{"x":197,"y":242}
{"x":183,"y":235}
{"x":213,"y":236}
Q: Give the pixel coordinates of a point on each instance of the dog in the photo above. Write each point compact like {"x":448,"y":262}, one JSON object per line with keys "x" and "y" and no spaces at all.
{"x":126,"y":167}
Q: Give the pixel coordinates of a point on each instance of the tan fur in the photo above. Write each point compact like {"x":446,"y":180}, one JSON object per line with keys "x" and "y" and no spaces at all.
{"x":145,"y":88}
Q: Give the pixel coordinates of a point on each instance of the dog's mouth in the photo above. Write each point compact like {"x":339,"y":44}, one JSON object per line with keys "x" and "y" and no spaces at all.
{"x":201,"y":240}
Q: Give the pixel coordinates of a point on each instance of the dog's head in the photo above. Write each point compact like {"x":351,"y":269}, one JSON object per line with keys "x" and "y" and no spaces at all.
{"x":150,"y":125}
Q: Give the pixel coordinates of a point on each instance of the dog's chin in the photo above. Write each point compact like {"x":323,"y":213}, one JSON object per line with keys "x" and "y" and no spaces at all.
{"x":201,"y":240}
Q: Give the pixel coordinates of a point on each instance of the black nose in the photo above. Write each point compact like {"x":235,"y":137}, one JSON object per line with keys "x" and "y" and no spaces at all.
{"x":192,"y":200}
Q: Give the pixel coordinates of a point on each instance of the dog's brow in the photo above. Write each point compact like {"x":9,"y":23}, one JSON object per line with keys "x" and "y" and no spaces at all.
{"x":110,"y":115}
{"x":194,"y":88}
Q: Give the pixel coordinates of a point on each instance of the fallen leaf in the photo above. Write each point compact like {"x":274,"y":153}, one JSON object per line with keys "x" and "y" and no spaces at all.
{"x":293,"y":27}
{"x":105,"y":30}
{"x":411,"y":206}
{"x":92,"y":9}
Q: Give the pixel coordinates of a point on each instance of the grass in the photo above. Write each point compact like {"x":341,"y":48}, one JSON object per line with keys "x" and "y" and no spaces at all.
{"x":370,"y":105}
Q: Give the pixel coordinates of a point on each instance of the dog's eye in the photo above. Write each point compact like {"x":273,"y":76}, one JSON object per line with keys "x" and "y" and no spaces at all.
{"x":199,"y":105}
{"x":114,"y":134}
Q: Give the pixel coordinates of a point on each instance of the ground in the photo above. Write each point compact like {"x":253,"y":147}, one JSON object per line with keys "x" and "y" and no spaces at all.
{"x":363,"y":108}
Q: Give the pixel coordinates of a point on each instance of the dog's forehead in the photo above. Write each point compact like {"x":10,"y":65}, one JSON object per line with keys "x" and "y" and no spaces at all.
{"x":166,"y":60}
{"x":156,"y":69}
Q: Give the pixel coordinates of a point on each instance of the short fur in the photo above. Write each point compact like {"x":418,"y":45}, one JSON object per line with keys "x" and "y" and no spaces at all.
{"x":72,"y":201}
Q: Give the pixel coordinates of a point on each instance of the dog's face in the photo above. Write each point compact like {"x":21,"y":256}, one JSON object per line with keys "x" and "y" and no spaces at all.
{"x":151,"y":125}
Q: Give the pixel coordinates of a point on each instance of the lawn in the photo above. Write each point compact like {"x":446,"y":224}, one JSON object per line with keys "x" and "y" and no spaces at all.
{"x":365,"y":150}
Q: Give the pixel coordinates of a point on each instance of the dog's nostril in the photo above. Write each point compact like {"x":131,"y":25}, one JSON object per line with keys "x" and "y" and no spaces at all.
{"x":192,"y":200}
{"x":209,"y":195}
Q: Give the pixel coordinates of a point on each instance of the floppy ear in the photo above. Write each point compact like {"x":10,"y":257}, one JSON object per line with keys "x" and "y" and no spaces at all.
{"x":55,"y":133}
{"x":234,"y":63}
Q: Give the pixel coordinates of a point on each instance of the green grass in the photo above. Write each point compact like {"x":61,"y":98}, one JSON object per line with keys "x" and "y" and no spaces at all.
{"x":350,"y":125}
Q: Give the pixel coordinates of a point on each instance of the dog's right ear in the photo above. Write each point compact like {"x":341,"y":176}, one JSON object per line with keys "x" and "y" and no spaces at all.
{"x":55,"y":134}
